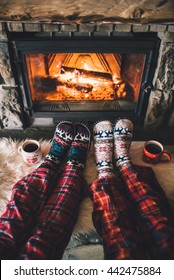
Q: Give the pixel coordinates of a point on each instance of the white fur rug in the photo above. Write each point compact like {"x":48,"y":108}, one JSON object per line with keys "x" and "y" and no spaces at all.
{"x":12,"y":168}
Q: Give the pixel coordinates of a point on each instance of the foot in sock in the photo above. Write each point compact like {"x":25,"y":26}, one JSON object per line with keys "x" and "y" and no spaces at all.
{"x":78,"y":151}
{"x":62,"y":139}
{"x":103,"y":148}
{"x":123,"y":131}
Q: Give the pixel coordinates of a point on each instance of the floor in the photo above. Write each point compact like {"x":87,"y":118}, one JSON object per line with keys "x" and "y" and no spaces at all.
{"x":164,"y":135}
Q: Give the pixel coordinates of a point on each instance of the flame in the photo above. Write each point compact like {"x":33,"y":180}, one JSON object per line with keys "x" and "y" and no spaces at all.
{"x":93,"y":77}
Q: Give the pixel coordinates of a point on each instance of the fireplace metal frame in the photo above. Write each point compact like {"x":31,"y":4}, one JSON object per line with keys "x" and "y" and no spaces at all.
{"x":134,"y":44}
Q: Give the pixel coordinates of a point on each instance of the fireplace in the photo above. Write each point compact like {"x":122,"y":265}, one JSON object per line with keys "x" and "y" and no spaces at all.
{"x":128,"y":28}
{"x":86,"y":78}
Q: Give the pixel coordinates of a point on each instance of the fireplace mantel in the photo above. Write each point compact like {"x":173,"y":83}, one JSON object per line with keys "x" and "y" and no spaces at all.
{"x":87,"y":11}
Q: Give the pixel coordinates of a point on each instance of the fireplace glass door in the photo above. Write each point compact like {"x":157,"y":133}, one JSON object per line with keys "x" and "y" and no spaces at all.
{"x":84,"y":81}
{"x":86,"y":76}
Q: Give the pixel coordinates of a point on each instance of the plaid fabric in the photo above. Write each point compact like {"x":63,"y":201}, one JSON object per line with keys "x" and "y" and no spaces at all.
{"x":28,"y":198}
{"x":113,"y":221}
{"x":55,"y":224}
{"x":43,"y":220}
{"x":154,"y":216}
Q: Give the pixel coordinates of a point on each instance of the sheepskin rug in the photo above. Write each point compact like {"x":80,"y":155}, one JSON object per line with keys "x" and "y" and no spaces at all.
{"x":12,"y":168}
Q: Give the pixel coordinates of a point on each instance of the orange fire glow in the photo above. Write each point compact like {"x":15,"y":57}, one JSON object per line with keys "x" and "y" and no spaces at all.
{"x":57,"y":77}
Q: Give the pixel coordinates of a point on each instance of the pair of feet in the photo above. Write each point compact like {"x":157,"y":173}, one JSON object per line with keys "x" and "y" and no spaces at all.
{"x":70,"y":138}
{"x":75,"y":139}
{"x":112,"y":143}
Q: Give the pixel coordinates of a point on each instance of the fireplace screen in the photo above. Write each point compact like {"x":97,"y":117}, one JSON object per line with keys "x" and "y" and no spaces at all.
{"x":86,"y":76}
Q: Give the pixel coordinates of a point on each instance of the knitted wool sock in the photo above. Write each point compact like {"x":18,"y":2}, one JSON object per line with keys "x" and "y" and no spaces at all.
{"x":62,"y":139}
{"x":123,"y":130}
{"x":103,"y":148}
{"x":78,"y":151}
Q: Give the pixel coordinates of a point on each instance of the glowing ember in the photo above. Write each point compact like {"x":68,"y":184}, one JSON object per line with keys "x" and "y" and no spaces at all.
{"x":56,"y":77}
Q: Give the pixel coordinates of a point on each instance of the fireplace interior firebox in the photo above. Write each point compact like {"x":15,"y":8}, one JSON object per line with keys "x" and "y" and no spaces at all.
{"x":86,"y":78}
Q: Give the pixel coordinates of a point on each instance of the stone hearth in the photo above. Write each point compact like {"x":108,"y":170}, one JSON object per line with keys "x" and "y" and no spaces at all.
{"x":86,"y":19}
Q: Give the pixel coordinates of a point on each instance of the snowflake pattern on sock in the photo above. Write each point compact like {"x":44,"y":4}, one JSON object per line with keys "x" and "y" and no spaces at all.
{"x":62,"y":139}
{"x":80,"y":145}
{"x":103,"y":148}
{"x":123,"y":131}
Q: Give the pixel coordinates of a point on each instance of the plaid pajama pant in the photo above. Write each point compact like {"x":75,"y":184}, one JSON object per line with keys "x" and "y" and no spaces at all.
{"x":39,"y":218}
{"x":52,"y":233}
{"x":155,"y":217}
{"x":133,"y":216}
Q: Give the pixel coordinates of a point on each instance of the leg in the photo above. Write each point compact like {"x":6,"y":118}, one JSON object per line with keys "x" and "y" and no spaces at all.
{"x":112,"y":212}
{"x":30,"y":194}
{"x":154,"y":220}
{"x":56,"y":221}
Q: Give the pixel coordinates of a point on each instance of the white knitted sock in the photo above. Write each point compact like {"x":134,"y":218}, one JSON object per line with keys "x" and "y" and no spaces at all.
{"x":123,"y":131}
{"x":103,"y":148}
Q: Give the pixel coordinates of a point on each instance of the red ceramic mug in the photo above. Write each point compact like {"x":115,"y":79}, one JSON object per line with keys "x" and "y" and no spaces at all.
{"x":153,"y":152}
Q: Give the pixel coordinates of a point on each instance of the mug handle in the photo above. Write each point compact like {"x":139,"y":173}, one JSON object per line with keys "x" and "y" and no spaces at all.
{"x":168,"y":157}
{"x":20,"y":150}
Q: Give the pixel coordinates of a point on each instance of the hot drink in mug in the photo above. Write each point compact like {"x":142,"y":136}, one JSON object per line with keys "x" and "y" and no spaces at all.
{"x":30,"y":151}
{"x":153,"y":152}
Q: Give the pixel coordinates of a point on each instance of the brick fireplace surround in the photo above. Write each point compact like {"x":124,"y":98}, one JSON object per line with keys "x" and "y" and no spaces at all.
{"x":160,"y":111}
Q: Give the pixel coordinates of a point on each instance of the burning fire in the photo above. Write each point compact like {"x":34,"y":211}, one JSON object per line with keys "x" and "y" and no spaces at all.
{"x":74,"y":85}
{"x":61,"y":82}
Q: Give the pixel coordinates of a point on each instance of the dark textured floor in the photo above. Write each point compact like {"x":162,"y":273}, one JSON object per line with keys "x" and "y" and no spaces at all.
{"x":165,"y":135}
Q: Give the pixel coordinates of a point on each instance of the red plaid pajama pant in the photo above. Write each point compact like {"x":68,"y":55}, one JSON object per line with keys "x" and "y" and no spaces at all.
{"x":43,"y":209}
{"x":40,"y":216}
{"x":133,"y":216}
